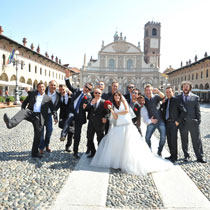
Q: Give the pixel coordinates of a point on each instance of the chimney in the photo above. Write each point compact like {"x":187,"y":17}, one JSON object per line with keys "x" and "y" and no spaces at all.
{"x":32,"y":46}
{"x":24,"y":41}
{"x":189,"y":61}
{"x":59,"y":61}
{"x":186,"y":63}
{"x":46,"y":55}
{"x":52,"y":57}
{"x":205,"y":55}
{"x":56,"y":59}
{"x":196,"y":58}
{"x":1,"y":30}
{"x":38,"y":49}
{"x":181,"y":64}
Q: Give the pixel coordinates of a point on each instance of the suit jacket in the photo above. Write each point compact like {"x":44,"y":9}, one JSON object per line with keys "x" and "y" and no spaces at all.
{"x":192,"y":107}
{"x":96,"y":114}
{"x":63,"y":111}
{"x":128,"y":97}
{"x":137,"y":112}
{"x":57,"y":102}
{"x":81,"y":115}
{"x":46,"y":104}
{"x":177,"y":111}
{"x":107,"y":96}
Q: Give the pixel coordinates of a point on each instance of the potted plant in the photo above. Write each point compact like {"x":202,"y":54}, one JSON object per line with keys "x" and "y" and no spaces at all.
{"x":2,"y":99}
{"x":10,"y":100}
{"x":22,"y":98}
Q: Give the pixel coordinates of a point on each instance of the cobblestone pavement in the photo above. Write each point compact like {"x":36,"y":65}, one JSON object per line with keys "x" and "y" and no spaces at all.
{"x":25,"y":182}
{"x":133,"y":192}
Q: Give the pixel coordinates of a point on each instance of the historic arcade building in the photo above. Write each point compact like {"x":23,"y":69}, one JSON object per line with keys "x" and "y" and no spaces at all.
{"x":197,"y":73}
{"x":33,"y":67}
{"x":125,"y":62}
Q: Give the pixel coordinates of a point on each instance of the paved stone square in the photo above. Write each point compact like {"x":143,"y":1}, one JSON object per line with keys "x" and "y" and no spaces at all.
{"x":27,"y":183}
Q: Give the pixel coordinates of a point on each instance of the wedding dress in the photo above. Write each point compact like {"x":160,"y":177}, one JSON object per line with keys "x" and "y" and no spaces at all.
{"x":124,"y":148}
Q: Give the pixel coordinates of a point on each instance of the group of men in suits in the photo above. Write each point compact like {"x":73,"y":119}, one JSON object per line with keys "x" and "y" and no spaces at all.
{"x":166,"y":115}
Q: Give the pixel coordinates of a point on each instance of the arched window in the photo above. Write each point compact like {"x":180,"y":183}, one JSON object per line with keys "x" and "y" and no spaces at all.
{"x":111,"y":64}
{"x":201,"y":75}
{"x":35,"y":69}
{"x":201,"y":86}
{"x":192,"y":76}
{"x":21,"y":64}
{"x":129,"y":64}
{"x":196,"y":75}
{"x":154,"y":32}
{"x":40,"y":71}
{"x":206,"y":86}
{"x":4,"y":59}
{"x":49,"y":73}
{"x":29,"y":67}
{"x":45,"y":72}
{"x":207,"y":73}
{"x":189,"y":77}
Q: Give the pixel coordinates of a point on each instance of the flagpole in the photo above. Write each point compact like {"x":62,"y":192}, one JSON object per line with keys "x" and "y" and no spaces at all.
{"x":16,"y":62}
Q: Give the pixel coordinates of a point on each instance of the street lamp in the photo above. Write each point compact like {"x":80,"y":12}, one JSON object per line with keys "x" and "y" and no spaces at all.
{"x":15,"y":63}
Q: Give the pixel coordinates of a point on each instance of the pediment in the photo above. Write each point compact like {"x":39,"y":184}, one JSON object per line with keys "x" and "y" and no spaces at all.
{"x":121,"y":47}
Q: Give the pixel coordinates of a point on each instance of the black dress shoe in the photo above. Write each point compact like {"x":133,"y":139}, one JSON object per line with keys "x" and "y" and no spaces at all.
{"x":168,"y":158}
{"x":67,"y":149}
{"x":201,"y":160}
{"x":38,"y":155}
{"x":62,"y":138}
{"x":87,"y":152}
{"x":76,"y":155}
{"x":186,"y":159}
{"x":6,"y":120}
{"x":91,"y":155}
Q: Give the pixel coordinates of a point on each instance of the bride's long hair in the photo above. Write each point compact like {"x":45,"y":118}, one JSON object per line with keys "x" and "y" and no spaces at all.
{"x":117,"y":103}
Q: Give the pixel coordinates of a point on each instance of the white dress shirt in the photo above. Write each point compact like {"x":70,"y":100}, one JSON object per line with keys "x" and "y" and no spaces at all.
{"x":145,"y":115}
{"x":97,"y":103}
{"x":37,"y":105}
{"x":66,"y":98}
{"x":53,"y":97}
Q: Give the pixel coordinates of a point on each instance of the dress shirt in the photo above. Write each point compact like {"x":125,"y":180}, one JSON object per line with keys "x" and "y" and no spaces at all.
{"x":145,"y":116}
{"x":53,"y":97}
{"x":186,"y":96}
{"x":66,"y":98}
{"x":37,"y":105}
{"x":75,"y":102}
{"x":96,"y":104}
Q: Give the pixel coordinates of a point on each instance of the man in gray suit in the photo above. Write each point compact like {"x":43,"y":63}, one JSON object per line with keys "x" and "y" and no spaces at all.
{"x":34,"y":109}
{"x":191,"y":122}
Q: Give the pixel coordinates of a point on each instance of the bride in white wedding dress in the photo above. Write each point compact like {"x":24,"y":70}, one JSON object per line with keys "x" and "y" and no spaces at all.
{"x":124,"y":148}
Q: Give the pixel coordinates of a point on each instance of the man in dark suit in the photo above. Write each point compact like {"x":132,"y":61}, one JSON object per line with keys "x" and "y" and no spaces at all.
{"x":76,"y":111}
{"x":109,"y":96}
{"x":36,"y":112}
{"x":191,"y":123}
{"x":128,"y":96}
{"x":136,"y":109}
{"x":65,"y":103}
{"x":97,"y":120}
{"x":173,"y":114}
{"x":55,"y":96}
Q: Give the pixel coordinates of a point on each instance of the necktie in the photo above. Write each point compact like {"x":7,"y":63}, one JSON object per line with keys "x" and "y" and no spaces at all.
{"x":79,"y":102}
{"x":167,"y":110}
{"x":185,"y":98}
{"x":64,"y":100}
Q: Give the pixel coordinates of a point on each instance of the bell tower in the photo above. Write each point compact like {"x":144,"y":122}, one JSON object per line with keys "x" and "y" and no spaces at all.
{"x":152,"y":43}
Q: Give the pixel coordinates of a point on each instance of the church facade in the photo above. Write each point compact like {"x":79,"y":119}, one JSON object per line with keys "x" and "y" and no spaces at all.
{"x":125,"y":62}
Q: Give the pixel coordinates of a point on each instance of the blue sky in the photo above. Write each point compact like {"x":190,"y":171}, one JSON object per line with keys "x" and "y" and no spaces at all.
{"x":68,"y":29}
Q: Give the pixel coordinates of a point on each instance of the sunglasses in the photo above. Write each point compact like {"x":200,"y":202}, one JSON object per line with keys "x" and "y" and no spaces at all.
{"x":88,"y":88}
{"x":135,"y":93}
{"x":101,"y":84}
{"x":131,"y":87}
{"x":97,"y":93}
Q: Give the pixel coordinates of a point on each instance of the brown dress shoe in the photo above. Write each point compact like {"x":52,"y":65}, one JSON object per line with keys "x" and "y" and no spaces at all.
{"x":41,"y":151}
{"x":48,"y":149}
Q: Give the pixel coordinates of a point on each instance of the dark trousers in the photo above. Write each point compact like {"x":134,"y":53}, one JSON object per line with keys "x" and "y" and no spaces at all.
{"x":77,"y":134}
{"x":106,"y":127}
{"x":192,"y":127}
{"x":171,"y":133}
{"x":69,"y":139}
{"x":35,"y":119}
{"x":91,"y":130}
